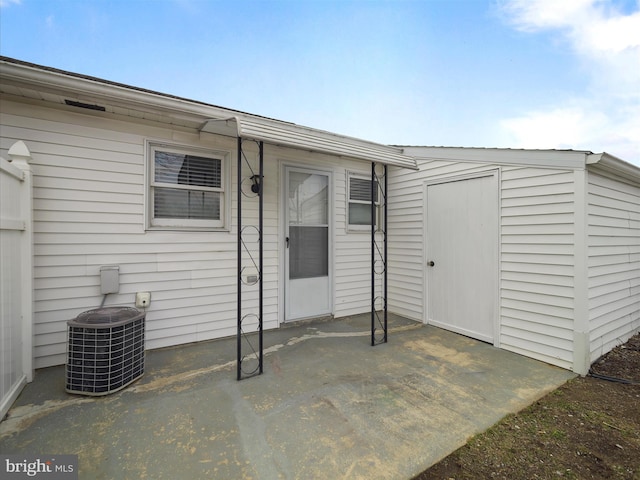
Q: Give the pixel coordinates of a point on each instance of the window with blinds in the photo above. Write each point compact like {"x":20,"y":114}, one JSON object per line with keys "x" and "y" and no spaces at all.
{"x":359,"y":204}
{"x":186,"y":188}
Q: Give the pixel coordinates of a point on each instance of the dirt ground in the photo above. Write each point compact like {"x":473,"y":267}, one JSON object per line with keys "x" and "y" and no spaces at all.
{"x":587,"y":429}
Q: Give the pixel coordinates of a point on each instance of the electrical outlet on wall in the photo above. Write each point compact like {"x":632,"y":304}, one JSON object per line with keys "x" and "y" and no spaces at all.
{"x":143,"y":299}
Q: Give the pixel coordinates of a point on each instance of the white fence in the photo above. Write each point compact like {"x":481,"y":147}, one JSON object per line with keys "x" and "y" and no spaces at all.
{"x":16,"y":275}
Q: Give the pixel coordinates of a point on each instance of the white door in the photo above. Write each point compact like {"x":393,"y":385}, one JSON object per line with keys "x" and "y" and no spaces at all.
{"x":462,"y":256}
{"x":307,"y":236}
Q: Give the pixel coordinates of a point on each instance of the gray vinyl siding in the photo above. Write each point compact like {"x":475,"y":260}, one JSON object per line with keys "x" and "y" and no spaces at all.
{"x":537,"y":266}
{"x":613,"y":261}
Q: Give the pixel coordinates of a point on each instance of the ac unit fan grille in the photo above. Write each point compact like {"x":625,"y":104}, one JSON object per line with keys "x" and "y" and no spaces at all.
{"x":104,"y":357}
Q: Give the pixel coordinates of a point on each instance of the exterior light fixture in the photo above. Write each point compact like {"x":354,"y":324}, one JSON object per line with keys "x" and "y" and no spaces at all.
{"x":255,"y":186}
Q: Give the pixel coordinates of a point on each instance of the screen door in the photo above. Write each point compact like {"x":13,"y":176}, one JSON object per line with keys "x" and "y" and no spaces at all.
{"x":307,"y":232}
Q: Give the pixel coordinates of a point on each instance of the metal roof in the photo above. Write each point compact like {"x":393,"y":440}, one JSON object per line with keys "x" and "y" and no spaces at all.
{"x":547,"y":158}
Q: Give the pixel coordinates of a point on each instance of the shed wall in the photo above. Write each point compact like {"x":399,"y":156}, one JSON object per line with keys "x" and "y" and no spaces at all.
{"x":613,"y":260}
{"x":89,"y":210}
{"x":406,"y":231}
{"x":537,"y":238}
{"x":536,"y":252}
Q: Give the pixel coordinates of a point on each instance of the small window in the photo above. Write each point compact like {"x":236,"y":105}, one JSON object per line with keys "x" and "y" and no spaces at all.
{"x":186,"y":188}
{"x":359,"y":205}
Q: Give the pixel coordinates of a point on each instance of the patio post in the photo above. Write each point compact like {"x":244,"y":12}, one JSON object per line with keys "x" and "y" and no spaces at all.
{"x":239,"y":260}
{"x":250,"y":267}
{"x":378,"y":255}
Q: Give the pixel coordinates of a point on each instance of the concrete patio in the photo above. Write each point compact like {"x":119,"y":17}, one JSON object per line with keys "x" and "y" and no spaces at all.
{"x":328,"y":406}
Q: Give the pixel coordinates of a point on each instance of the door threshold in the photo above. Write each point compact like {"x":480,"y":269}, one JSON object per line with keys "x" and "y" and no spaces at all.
{"x":307,"y":321}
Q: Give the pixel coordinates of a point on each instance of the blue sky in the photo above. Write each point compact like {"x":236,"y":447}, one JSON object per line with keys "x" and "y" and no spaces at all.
{"x":484,"y":73}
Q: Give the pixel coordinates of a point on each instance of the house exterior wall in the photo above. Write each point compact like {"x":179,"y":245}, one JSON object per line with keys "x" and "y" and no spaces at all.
{"x":351,"y":259}
{"x":536,"y":301}
{"x":89,"y":211}
{"x":613,"y":229}
{"x":569,"y":237}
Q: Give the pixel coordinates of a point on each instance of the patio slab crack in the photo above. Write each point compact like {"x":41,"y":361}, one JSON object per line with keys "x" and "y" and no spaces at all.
{"x":20,"y":417}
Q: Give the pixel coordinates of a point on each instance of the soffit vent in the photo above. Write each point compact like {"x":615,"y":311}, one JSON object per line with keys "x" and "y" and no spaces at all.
{"x":88,"y":106}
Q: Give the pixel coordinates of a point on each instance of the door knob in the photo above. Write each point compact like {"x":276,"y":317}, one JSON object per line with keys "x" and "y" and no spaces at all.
{"x":431,"y":263}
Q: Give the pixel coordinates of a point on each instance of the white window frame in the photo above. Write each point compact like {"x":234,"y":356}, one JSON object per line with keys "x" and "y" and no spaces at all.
{"x":153,"y":223}
{"x":360,"y":227}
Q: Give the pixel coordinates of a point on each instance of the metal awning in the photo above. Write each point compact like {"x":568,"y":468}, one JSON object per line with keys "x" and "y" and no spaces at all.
{"x":305,"y":138}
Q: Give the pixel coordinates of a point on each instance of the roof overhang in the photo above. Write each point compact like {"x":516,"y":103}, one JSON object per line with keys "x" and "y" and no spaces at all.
{"x":614,"y":165}
{"x":53,"y":85}
{"x":304,"y":138}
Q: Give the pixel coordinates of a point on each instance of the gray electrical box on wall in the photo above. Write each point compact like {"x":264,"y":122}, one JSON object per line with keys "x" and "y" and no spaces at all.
{"x":109,"y":279}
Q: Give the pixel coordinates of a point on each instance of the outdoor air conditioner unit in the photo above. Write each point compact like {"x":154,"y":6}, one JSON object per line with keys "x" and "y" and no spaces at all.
{"x":105,"y":351}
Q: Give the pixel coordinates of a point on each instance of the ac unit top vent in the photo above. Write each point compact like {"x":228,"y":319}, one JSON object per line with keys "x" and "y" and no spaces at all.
{"x":106,"y":316}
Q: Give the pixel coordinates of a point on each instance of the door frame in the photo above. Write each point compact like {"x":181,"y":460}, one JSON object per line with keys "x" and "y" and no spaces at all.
{"x":491,"y":172}
{"x":285,"y":165}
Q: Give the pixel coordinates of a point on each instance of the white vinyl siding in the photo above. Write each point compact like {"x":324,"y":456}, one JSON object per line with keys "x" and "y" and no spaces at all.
{"x":537,"y":267}
{"x":614,"y":261}
{"x":351,"y":260}
{"x":89,"y":211}
{"x":536,"y":249}
{"x":405,"y":244}
{"x":406,"y":288}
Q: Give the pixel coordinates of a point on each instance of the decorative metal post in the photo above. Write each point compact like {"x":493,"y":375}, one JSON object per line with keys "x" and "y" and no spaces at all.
{"x":378,"y":255}
{"x":250,"y":268}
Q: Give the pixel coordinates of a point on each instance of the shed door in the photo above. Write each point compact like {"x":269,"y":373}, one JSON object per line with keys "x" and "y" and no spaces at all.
{"x":308,"y":216}
{"x":462,"y":256}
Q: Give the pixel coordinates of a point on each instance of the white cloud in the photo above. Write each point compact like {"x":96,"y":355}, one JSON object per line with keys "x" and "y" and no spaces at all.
{"x":534,"y":15}
{"x":557,"y":128}
{"x":581,"y":127}
{"x":592,"y":26}
{"x":6,"y":3}
{"x":606,"y":117}
{"x":614,"y":34}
